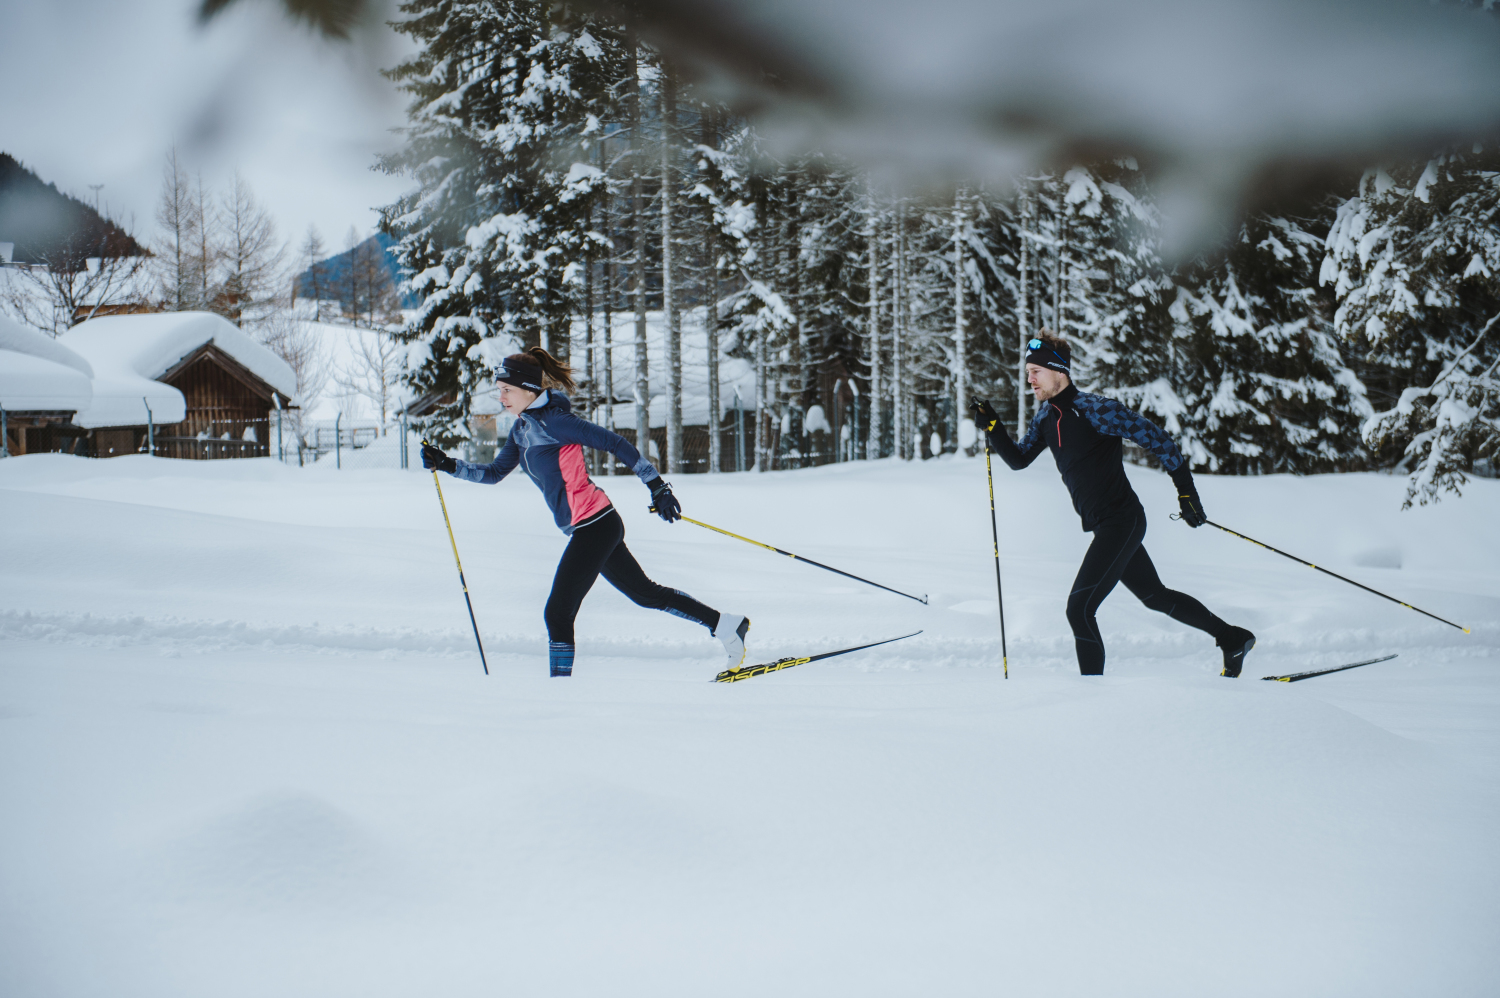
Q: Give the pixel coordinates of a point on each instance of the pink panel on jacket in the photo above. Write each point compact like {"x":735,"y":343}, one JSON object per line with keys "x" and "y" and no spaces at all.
{"x":584,"y":497}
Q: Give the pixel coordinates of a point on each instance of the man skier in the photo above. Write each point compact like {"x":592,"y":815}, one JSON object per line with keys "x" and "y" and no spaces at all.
{"x":1083,"y":432}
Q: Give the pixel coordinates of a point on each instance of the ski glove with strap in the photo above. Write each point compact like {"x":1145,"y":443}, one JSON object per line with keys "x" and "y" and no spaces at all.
{"x":1187,"y":497}
{"x":663,"y":503}
{"x":985,"y":416}
{"x":435,"y":460}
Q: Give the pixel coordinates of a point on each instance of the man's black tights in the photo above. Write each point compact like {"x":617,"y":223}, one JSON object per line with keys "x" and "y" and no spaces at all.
{"x":599,"y":549}
{"x":1116,"y":555}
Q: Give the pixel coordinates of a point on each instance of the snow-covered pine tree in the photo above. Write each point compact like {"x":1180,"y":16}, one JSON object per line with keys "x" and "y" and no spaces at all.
{"x":990,"y":251}
{"x":1115,"y":310}
{"x":507,"y":97}
{"x":1259,"y":371}
{"x":1414,"y":258}
{"x":724,"y":226}
{"x":831,"y":301}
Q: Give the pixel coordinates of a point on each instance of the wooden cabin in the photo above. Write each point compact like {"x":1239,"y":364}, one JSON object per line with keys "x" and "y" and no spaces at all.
{"x":43,"y":384}
{"x":195,"y":384}
{"x":230,"y":409}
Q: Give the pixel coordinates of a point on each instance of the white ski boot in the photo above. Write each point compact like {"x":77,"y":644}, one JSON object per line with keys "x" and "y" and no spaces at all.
{"x":731,"y":631}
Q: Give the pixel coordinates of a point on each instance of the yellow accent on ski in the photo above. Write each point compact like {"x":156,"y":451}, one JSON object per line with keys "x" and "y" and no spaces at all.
{"x":735,"y":675}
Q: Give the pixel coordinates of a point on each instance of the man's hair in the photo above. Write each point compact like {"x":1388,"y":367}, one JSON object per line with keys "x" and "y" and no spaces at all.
{"x":1048,"y":336}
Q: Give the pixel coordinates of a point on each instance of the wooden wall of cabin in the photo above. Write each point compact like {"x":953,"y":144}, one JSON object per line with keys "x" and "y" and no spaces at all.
{"x":217,"y":403}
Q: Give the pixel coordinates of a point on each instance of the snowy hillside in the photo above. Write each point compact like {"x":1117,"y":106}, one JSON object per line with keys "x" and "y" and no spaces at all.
{"x":251,"y":751}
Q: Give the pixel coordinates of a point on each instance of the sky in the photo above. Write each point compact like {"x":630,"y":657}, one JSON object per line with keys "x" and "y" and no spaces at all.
{"x":98,"y":92}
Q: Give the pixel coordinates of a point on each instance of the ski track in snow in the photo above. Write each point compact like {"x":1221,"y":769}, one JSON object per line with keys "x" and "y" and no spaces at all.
{"x":251,"y":750}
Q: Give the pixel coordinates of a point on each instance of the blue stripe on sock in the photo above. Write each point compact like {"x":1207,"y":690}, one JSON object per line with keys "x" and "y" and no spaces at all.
{"x":560,"y":658}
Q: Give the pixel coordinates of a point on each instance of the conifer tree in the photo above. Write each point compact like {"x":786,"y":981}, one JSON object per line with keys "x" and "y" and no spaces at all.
{"x":1414,"y":259}
{"x":507,"y":98}
{"x":1264,"y":385}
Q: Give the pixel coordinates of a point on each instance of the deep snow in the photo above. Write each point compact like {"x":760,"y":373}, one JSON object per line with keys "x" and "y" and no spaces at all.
{"x":249,"y":749}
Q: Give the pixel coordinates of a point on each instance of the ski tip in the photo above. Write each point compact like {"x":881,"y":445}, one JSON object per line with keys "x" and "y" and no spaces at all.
{"x":1467,"y":631}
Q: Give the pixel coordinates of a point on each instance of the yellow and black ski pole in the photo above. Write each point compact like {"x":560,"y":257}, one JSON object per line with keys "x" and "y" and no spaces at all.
{"x":1303,"y":561}
{"x":995,"y":534}
{"x":469,"y":603}
{"x":798,"y":557}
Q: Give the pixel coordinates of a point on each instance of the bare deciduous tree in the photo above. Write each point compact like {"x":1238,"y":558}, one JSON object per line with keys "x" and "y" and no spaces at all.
{"x":375,"y":371}
{"x":72,"y":284}
{"x":174,"y":251}
{"x":252,"y":258}
{"x":299,"y":346}
{"x":316,"y":286}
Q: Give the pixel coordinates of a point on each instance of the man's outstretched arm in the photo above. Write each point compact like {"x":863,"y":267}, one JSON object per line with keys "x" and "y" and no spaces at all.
{"x":1110,"y":417}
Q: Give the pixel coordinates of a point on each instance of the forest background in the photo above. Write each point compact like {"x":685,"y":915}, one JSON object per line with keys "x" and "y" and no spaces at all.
{"x":567,"y":175}
{"x":572,"y":188}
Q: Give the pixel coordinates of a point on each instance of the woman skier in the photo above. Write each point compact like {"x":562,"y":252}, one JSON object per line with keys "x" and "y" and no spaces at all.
{"x":547,"y":441}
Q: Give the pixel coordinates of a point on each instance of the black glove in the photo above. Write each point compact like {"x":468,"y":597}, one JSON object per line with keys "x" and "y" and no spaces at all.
{"x":985,"y":416}
{"x":1187,"y":497}
{"x":663,"y":503}
{"x":435,"y":460}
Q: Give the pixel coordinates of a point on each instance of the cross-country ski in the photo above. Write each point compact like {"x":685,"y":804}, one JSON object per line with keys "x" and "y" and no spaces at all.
{"x":1297,"y":677}
{"x":750,"y":671}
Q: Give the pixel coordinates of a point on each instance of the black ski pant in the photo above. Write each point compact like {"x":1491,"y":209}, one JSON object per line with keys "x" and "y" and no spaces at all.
{"x":599,"y":549}
{"x":1116,"y":555}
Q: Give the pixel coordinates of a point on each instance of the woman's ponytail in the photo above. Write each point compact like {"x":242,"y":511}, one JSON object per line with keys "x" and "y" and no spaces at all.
{"x":555,"y":373}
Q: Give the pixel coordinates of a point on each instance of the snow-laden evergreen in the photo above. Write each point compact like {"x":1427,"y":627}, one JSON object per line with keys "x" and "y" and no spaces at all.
{"x":508,"y":100}
{"x":1414,"y":258}
{"x":1263,"y":384}
{"x":569,"y":177}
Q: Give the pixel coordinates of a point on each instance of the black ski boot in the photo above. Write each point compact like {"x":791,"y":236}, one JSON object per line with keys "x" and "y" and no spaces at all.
{"x":1236,"y":644}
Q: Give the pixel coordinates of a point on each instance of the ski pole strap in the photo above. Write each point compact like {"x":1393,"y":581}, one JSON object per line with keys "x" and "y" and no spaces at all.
{"x":797,"y":557}
{"x":1361,"y":585}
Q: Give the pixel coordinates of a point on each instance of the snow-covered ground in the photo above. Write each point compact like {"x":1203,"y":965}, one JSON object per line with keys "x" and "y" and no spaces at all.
{"x":249,"y":749}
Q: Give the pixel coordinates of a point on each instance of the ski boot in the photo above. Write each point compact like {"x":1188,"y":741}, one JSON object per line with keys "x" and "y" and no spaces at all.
{"x":1235,"y":645}
{"x":731,"y":630}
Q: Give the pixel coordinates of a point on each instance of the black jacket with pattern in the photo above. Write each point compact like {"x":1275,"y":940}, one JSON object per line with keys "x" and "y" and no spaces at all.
{"x":1084,"y":433}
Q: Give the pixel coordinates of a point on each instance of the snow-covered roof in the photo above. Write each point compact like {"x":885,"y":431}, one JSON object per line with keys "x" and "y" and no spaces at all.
{"x":38,"y":373}
{"x":128,"y":352}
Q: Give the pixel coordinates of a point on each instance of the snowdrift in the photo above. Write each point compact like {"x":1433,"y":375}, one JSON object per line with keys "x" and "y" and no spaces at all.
{"x":252,"y":750}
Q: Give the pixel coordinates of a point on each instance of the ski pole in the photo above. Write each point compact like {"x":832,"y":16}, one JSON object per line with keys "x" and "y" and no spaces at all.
{"x":1304,"y":561}
{"x":448,"y":523}
{"x":798,"y":557}
{"x":995,"y":533}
